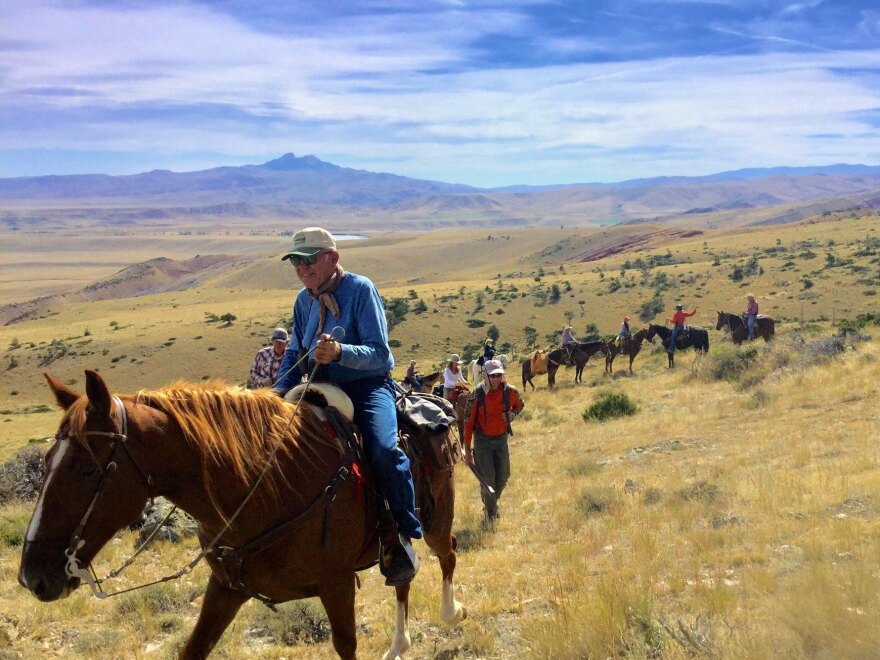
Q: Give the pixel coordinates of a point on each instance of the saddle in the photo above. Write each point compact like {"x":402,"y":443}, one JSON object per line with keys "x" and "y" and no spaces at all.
{"x":321,"y":396}
{"x":539,"y":362}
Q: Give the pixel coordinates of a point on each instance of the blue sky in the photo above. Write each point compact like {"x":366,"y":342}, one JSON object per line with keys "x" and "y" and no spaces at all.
{"x":488,"y":93}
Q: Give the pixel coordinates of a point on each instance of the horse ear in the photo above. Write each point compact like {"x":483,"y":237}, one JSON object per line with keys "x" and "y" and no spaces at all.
{"x":96,"y":390}
{"x":63,"y":394}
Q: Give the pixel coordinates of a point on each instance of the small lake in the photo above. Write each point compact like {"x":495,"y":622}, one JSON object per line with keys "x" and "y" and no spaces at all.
{"x":348,"y":237}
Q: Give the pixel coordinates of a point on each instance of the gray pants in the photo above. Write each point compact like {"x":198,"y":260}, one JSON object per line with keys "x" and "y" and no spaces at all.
{"x":492,"y":460}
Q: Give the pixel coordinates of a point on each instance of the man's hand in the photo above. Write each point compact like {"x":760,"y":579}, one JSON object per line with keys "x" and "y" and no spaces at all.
{"x":327,"y":350}
{"x":508,"y":416}
{"x":469,"y":456}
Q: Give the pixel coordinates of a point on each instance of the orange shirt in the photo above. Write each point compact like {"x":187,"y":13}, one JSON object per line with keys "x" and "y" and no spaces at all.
{"x":494,"y":423}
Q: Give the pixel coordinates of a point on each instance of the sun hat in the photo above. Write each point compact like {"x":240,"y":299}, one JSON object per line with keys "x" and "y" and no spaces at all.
{"x":492,"y":367}
{"x":310,"y":241}
{"x":679,"y":306}
{"x":280,"y":334}
{"x":490,"y":341}
{"x":568,"y":327}
{"x":455,"y":357}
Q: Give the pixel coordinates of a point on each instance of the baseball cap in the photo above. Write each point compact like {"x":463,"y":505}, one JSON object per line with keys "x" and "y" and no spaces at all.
{"x":310,"y":241}
{"x":280,"y":334}
{"x":493,"y":367}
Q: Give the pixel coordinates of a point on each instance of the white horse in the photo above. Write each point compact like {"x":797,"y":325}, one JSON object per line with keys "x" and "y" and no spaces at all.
{"x":475,"y":371}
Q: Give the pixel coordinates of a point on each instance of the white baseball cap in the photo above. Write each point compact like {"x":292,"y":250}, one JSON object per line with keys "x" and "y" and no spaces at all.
{"x":310,"y":241}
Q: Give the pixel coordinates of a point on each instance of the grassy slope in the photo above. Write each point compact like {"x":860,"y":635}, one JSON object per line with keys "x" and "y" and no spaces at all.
{"x":744,"y":516}
{"x":755,"y":557}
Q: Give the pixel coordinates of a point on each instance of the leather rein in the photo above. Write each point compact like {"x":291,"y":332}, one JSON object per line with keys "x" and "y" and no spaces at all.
{"x":230,"y":558}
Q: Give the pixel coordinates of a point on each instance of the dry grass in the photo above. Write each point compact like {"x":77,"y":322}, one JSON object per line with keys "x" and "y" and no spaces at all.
{"x":724,"y":519}
{"x":698,"y":526}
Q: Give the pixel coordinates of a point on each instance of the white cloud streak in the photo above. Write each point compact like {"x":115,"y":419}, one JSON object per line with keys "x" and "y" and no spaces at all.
{"x":184,"y":80}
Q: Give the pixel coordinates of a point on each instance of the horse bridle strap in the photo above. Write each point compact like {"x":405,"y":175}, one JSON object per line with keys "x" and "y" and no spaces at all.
{"x":120,"y":438}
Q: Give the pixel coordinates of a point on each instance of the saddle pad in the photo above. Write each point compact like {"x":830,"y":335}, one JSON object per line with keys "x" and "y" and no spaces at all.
{"x":322,"y":395}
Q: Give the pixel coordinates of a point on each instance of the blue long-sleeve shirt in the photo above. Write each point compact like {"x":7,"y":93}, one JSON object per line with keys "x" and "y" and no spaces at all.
{"x":365,"y":350}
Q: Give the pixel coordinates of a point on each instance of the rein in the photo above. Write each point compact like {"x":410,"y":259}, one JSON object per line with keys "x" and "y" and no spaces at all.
{"x":73,"y":569}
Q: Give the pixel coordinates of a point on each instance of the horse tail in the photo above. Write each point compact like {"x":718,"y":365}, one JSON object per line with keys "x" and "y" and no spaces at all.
{"x":706,"y":342}
{"x":526,"y":373}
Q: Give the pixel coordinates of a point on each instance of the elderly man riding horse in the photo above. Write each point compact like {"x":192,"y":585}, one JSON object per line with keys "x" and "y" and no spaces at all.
{"x":333,"y":297}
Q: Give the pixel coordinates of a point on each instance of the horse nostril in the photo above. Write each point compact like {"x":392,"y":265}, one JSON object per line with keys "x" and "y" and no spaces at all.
{"x":39,"y":588}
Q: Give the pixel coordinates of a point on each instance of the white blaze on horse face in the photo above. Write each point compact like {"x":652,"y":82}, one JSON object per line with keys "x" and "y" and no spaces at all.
{"x":60,"y":451}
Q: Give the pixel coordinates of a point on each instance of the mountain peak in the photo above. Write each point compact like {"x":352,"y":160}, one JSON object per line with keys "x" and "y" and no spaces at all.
{"x":290,"y":162}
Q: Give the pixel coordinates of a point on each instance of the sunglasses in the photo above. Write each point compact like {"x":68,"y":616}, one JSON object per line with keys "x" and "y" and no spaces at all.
{"x":495,"y":375}
{"x":297,"y":260}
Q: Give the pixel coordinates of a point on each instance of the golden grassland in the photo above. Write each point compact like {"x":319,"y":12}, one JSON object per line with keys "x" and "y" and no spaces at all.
{"x":724,"y":519}
{"x":462,"y":276}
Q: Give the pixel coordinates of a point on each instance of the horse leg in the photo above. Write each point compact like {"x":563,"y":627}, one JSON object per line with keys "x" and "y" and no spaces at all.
{"x":337,"y":597}
{"x":551,"y":375}
{"x":219,"y":608}
{"x":631,"y":358}
{"x":402,"y":641}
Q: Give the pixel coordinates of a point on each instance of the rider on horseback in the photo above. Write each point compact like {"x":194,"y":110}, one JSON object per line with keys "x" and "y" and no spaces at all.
{"x":751,"y":315}
{"x":677,"y":321}
{"x":568,"y":340}
{"x":623,"y":336}
{"x":333,"y":297}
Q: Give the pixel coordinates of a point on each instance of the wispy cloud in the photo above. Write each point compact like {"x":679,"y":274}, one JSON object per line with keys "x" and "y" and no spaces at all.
{"x":488,"y":93}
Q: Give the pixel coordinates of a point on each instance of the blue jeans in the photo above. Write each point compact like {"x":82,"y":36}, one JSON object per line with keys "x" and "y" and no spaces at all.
{"x":675,"y":332}
{"x":751,"y":320}
{"x":376,"y":417}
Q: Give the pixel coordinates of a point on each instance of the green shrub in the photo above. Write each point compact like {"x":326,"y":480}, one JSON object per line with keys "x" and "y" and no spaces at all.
{"x":728,"y":362}
{"x":12,"y":530}
{"x":608,"y":406}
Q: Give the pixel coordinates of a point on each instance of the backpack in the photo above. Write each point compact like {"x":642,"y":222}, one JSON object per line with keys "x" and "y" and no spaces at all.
{"x":478,"y":398}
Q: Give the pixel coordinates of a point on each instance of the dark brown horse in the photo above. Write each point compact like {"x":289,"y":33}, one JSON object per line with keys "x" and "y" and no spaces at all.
{"x":695,"y":337}
{"x":203,"y":447}
{"x":765,"y":327}
{"x":632,"y":347}
{"x":581,"y":352}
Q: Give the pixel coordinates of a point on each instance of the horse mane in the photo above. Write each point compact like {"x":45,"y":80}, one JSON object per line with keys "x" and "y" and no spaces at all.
{"x":238,"y":430}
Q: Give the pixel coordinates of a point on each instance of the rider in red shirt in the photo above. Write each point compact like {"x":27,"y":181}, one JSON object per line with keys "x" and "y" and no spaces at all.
{"x":677,"y":321}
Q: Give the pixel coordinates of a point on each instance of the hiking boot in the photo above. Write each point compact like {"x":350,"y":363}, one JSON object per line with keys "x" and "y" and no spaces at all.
{"x":399,"y":563}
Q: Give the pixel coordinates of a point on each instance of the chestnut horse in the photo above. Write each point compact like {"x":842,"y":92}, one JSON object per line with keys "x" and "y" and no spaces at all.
{"x":693,"y":336}
{"x":632,"y":349}
{"x":765,"y":327}
{"x":310,"y":524}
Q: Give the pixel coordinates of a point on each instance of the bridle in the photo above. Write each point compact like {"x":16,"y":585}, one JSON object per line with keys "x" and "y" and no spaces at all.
{"x":72,"y":567}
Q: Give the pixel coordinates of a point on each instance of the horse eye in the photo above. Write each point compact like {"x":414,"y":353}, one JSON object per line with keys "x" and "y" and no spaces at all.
{"x":88,"y":470}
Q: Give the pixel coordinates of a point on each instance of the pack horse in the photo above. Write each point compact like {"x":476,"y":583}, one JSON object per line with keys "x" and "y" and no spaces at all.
{"x":306,"y":530}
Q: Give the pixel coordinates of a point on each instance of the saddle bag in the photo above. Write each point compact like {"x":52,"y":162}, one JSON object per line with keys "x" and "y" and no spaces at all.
{"x":426,"y":420}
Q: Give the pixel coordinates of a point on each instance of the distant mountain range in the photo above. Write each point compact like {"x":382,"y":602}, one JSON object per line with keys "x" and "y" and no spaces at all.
{"x":309,"y":188}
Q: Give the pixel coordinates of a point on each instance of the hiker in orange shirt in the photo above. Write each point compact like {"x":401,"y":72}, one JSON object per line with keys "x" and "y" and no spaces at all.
{"x":494,"y":405}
